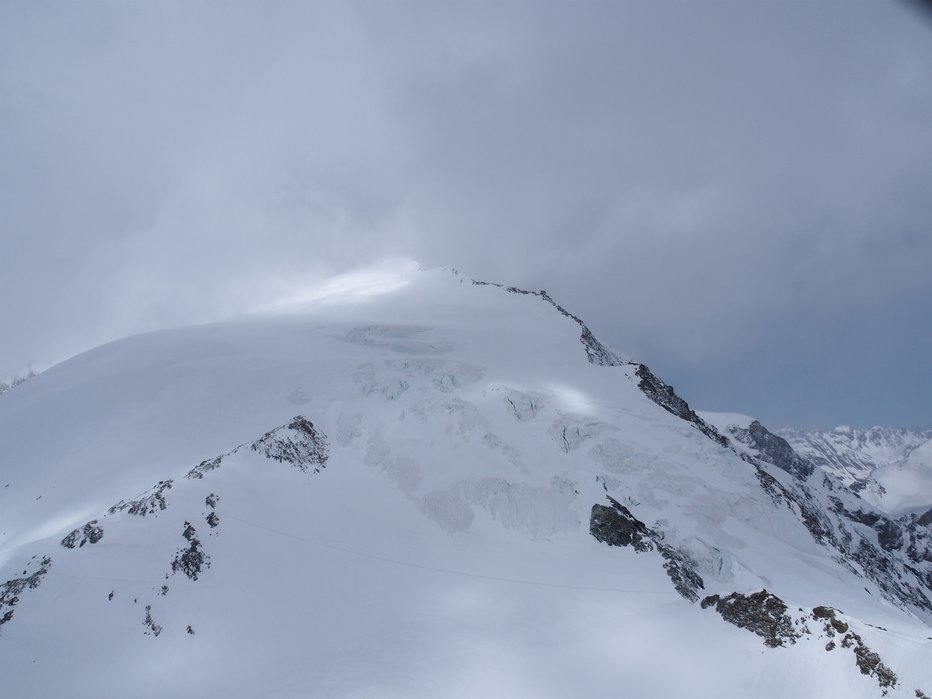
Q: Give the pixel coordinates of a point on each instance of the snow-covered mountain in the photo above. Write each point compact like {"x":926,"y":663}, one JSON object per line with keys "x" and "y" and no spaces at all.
{"x":447,"y":489}
{"x":889,"y":467}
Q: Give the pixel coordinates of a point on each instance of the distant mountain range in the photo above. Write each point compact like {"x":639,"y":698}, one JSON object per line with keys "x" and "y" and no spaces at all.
{"x":889,"y":467}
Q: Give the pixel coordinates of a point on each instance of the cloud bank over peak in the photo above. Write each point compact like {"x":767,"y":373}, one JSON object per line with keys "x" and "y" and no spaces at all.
{"x":736,"y":192}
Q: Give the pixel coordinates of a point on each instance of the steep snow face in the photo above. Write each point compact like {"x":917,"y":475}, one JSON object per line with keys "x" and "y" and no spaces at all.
{"x":442,"y":489}
{"x":890,"y":467}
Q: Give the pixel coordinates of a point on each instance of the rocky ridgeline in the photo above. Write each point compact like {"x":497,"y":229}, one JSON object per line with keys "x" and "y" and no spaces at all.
{"x":766,"y":615}
{"x":596,"y":352}
{"x":12,"y":589}
{"x":615,"y":525}
{"x":664,"y":396}
{"x":896,"y":555}
{"x":204,"y":467}
{"x":91,"y":533}
{"x":762,"y":613}
{"x":600,"y":354}
{"x":868,"y":661}
{"x":298,"y":443}
{"x":773,"y":449}
{"x":150,"y":502}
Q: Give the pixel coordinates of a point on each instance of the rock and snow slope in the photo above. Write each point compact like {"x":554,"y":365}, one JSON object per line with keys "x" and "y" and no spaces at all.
{"x":889,"y":467}
{"x":14,"y":379}
{"x":447,"y":489}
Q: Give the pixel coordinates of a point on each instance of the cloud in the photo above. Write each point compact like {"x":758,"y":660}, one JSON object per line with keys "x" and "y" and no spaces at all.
{"x":702,"y":182}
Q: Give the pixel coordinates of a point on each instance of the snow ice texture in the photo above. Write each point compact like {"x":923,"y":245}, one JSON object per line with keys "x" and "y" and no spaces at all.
{"x":444,"y":489}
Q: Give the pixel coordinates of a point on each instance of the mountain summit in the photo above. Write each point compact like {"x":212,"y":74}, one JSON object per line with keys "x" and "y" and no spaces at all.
{"x":443,"y":488}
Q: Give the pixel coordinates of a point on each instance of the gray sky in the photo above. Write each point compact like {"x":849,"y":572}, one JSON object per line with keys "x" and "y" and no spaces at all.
{"x":737,"y":193}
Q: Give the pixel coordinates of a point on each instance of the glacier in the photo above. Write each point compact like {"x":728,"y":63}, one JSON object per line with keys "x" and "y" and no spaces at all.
{"x":440,"y":487}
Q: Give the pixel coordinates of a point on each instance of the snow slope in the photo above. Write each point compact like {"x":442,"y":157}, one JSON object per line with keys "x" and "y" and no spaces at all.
{"x":391,"y":495}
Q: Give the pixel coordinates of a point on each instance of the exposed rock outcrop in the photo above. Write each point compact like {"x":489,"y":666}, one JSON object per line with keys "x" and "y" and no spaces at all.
{"x":90,"y":533}
{"x":761,"y":612}
{"x":773,"y":449}
{"x":191,"y":560}
{"x":868,"y":662}
{"x":615,"y":525}
{"x":298,"y":443}
{"x":150,"y":502}
{"x":664,"y":396}
{"x":12,"y":589}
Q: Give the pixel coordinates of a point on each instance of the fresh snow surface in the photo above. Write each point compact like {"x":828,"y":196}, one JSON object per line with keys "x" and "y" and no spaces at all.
{"x":443,"y":549}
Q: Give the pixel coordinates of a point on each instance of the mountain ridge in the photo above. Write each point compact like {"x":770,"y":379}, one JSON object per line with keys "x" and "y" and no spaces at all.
{"x":468,"y":450}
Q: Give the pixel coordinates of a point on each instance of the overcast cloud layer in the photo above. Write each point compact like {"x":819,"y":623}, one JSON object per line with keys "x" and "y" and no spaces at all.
{"x":737,"y":193}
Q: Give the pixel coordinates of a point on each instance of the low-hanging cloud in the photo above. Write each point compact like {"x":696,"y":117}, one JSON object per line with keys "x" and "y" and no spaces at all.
{"x":736,"y":191}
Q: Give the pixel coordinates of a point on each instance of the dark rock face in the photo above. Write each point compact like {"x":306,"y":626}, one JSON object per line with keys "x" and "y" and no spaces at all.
{"x":12,"y":589}
{"x":682,"y":573}
{"x":150,"y":502}
{"x":664,"y":396}
{"x":900,"y":562}
{"x":799,"y":501}
{"x":889,"y":534}
{"x":191,"y":560}
{"x":151,"y":627}
{"x":832,"y":623}
{"x":616,"y":526}
{"x":868,"y":519}
{"x":774,"y":450}
{"x":298,"y":443}
{"x":596,"y":352}
{"x":761,"y":612}
{"x":90,"y":533}
{"x":926,"y":519}
{"x":203,"y":467}
{"x":868,"y":661}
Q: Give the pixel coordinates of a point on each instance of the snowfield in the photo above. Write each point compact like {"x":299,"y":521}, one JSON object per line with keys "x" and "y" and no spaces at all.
{"x":393,"y":494}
